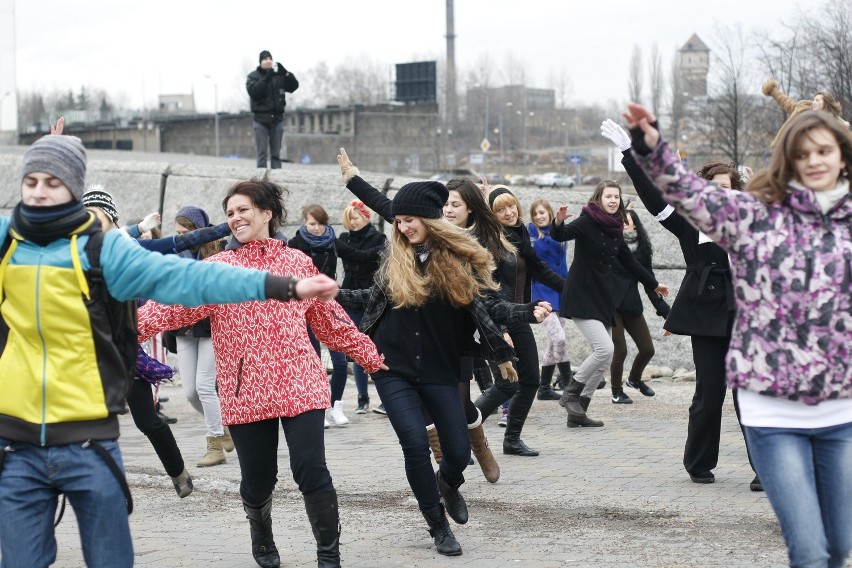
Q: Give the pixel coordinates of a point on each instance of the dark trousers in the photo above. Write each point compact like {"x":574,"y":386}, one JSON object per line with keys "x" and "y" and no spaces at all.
{"x":267,"y":138}
{"x":140,"y":401}
{"x":522,"y":393}
{"x":402,"y":399}
{"x":257,"y":449}
{"x":339,"y":369}
{"x":635,"y":326}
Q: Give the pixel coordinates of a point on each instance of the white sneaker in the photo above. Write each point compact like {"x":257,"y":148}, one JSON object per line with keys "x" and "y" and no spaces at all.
{"x":327,"y":424}
{"x":336,"y":414}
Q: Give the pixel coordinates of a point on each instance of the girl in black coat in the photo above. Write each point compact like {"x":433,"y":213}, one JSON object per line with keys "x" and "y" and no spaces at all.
{"x":316,"y":238}
{"x":357,"y":275}
{"x":588,"y":295}
{"x":628,"y":313}
{"x":703,"y":309}
{"x":515,"y":274}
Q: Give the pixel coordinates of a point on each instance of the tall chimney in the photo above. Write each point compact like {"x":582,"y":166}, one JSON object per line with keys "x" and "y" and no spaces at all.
{"x":451,"y":109}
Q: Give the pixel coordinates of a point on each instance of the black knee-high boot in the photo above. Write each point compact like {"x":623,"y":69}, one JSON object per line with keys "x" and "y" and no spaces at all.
{"x":565,"y":374}
{"x":325,"y":522}
{"x":260,"y":522}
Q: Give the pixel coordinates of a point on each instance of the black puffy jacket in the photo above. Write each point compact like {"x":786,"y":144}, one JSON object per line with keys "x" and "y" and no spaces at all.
{"x":267,"y":92}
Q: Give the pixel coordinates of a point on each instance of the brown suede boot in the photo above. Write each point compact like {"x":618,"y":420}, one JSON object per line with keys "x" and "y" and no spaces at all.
{"x":435,"y":443}
{"x":481,"y":451}
{"x":215,"y":454}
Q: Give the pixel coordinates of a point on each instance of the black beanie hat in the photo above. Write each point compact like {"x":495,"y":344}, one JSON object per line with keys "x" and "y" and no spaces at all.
{"x":421,"y":199}
{"x":263,"y":55}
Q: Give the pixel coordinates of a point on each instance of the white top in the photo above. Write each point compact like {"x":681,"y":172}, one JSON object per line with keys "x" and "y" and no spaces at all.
{"x":769,"y":412}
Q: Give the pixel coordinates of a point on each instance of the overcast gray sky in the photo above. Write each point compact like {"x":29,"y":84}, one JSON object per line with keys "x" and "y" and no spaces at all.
{"x":142,"y":49}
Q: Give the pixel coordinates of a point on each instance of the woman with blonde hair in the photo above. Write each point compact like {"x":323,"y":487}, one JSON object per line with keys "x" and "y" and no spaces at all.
{"x":433,"y":294}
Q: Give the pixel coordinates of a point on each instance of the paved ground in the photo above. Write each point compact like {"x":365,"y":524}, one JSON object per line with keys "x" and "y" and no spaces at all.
{"x":610,"y":497}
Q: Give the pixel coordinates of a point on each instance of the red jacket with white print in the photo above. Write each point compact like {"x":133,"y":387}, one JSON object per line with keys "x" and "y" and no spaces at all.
{"x":265,"y":364}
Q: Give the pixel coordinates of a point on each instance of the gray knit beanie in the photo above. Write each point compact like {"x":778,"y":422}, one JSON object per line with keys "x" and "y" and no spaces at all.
{"x":63,"y":157}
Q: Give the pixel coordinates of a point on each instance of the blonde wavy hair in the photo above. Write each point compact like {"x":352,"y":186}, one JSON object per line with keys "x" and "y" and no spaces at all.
{"x":459,"y":268}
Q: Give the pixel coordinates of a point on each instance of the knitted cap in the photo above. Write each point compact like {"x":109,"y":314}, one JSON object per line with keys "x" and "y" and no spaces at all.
{"x":197,"y":215}
{"x":421,"y":199}
{"x":263,"y":55}
{"x":63,"y":157}
{"x":98,"y":197}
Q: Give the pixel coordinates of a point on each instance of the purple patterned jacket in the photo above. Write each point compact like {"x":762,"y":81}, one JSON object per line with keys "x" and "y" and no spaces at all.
{"x":792,"y":271}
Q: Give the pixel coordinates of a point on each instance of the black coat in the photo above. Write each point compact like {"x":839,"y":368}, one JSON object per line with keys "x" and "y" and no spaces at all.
{"x":325,"y":259}
{"x":358,"y":275}
{"x":508,"y":270}
{"x":588,"y":292}
{"x":626,"y":292}
{"x":704,"y":305}
{"x":267,"y":91}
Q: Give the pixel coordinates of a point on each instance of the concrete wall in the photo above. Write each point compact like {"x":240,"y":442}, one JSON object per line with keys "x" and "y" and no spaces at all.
{"x":138,"y":184}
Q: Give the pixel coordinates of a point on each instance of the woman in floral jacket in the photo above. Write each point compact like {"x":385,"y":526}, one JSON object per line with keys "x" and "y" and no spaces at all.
{"x":268,"y":372}
{"x":790,"y":242}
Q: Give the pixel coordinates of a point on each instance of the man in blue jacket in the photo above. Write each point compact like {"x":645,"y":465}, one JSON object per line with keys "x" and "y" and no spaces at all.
{"x":62,"y":376}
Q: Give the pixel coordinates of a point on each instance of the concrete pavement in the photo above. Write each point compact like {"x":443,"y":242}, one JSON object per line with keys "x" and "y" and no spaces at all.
{"x":610,"y":497}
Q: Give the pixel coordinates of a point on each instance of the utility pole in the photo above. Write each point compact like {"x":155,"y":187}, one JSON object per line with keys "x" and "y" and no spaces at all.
{"x":451,"y":102}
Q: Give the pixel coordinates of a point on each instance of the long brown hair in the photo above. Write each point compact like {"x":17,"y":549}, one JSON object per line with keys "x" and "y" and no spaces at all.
{"x":830,"y":104}
{"x":459,"y":268}
{"x":770,"y":185}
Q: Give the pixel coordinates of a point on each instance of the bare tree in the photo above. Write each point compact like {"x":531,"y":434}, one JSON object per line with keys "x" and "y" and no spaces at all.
{"x":828,"y":37}
{"x":636,"y":81}
{"x":514,"y":70}
{"x":656,"y":79}
{"x":726,"y":121}
{"x":560,"y":82}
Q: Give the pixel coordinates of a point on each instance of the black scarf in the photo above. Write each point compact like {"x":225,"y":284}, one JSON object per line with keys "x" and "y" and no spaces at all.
{"x":43,"y":225}
{"x":611,"y":224}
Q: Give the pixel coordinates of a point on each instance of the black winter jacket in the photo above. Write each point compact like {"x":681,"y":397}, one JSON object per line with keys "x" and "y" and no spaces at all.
{"x":704,"y":305}
{"x":267,"y":92}
{"x":325,"y":260}
{"x":357,"y":275}
{"x":509,"y":271}
{"x":588,"y":292}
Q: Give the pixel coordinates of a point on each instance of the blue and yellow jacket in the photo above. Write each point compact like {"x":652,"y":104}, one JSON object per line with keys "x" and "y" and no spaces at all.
{"x":53,"y":385}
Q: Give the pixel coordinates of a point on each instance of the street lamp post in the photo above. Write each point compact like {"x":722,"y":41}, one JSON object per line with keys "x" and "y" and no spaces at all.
{"x":215,"y":112}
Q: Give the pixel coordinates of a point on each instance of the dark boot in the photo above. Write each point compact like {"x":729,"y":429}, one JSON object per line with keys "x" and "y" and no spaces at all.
{"x":325,"y":522}
{"x":439,"y":528}
{"x":571,"y":400}
{"x":587,"y":422}
{"x":453,"y":500}
{"x":545,"y":391}
{"x":565,"y":374}
{"x":512,"y":443}
{"x":260,"y":522}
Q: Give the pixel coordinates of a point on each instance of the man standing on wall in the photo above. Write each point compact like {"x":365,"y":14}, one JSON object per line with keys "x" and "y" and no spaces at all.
{"x":267,"y":86}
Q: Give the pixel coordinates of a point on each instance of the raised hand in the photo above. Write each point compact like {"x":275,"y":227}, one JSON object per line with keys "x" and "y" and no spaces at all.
{"x":616,"y":134}
{"x":562,"y":214}
{"x":347,"y":169}
{"x":638,"y":117}
{"x":57,"y":127}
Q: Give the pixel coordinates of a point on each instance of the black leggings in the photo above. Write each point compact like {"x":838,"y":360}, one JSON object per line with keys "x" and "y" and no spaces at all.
{"x":636,"y":326}
{"x":140,"y":400}
{"x":257,"y":449}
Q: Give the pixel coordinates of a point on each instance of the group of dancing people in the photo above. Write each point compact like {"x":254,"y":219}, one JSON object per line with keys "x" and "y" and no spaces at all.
{"x":454,"y":289}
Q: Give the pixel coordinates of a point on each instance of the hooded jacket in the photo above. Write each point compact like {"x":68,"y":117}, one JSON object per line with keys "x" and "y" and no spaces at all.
{"x":792,"y":269}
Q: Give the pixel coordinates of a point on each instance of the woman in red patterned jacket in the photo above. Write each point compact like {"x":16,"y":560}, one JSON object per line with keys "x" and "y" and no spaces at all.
{"x":267,"y":371}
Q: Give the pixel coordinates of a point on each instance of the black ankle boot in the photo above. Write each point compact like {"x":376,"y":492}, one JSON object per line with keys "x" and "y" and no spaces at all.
{"x":453,"y":500}
{"x":325,"y":522}
{"x":260,"y":523}
{"x":439,"y":528}
{"x":512,"y":443}
{"x":585,"y":422}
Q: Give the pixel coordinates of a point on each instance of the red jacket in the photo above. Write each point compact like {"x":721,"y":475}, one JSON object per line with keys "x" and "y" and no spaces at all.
{"x":265,"y":364}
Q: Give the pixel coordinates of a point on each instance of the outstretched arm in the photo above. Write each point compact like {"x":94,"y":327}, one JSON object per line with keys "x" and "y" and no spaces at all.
{"x":372,"y":197}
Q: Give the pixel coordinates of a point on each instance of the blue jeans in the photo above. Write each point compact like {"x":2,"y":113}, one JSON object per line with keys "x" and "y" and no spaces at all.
{"x":357,"y":370}
{"x":339,"y":368}
{"x":30,"y":484}
{"x":402,"y":399}
{"x":807,"y":478}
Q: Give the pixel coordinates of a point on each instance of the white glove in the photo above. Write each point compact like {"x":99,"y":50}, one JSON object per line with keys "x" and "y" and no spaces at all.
{"x":508,"y":371}
{"x":347,"y":170}
{"x":618,"y":136}
{"x":150,"y":221}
